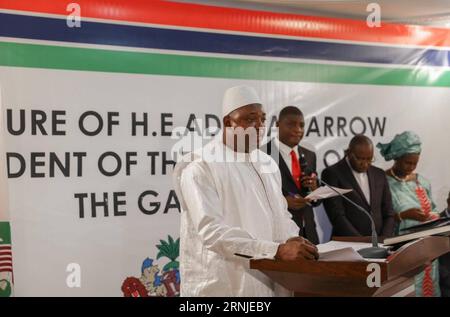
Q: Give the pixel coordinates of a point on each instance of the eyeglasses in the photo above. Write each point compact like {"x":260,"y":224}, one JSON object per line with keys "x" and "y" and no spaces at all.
{"x":362,"y":160}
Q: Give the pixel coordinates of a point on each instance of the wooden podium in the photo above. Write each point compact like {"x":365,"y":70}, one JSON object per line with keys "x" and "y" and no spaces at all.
{"x":321,"y":278}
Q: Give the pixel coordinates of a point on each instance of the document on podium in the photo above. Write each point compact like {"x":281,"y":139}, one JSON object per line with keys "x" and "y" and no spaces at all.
{"x":442,"y":230}
{"x":325,"y":192}
{"x":338,"y":251}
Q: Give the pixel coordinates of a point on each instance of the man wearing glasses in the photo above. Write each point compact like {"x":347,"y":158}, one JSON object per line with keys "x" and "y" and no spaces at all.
{"x":370,"y":191}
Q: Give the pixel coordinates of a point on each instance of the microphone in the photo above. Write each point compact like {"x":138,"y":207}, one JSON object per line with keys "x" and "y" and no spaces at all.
{"x":373,"y":252}
{"x":304,"y":165}
{"x":306,"y":171}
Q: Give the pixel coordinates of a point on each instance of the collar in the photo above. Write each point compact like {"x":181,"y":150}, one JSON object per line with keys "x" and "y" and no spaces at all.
{"x":351,"y":168}
{"x":285,"y":149}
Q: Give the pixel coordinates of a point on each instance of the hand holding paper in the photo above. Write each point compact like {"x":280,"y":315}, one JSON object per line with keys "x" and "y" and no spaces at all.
{"x":325,"y":192}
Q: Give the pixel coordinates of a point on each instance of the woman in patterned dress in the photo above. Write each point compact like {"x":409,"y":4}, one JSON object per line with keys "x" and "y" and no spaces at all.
{"x":411,"y":199}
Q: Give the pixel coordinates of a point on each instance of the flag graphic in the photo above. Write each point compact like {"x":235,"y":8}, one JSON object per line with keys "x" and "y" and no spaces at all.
{"x":6,"y":273}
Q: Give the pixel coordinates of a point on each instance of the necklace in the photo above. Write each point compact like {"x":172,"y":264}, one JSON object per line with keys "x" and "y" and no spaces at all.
{"x":398,"y":178}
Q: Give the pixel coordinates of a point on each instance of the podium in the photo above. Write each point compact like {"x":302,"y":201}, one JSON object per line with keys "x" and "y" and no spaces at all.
{"x":323,"y":278}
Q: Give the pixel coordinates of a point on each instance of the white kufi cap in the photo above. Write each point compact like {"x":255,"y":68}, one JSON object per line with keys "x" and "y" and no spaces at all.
{"x":237,"y":97}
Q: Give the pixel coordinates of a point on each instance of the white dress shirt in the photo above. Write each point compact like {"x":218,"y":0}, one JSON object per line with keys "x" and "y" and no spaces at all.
{"x":363,"y":181}
{"x":285,"y":151}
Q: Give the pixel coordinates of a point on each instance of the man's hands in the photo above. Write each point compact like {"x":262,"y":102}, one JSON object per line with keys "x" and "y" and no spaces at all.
{"x":309,"y":182}
{"x":297,"y":248}
{"x":296,"y":202}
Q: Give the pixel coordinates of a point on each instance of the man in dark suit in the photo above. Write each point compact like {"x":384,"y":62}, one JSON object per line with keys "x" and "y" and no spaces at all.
{"x":446,"y":212}
{"x":291,"y":157}
{"x":370,"y":190}
{"x":444,"y":261}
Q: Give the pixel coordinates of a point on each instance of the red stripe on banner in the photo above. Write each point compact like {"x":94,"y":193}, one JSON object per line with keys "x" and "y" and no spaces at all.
{"x":232,"y":19}
{"x":5,"y":253}
{"x":5,"y":259}
{"x":5,"y":247}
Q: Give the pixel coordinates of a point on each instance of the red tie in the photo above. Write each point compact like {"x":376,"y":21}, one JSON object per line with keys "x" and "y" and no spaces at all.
{"x":296,"y":171}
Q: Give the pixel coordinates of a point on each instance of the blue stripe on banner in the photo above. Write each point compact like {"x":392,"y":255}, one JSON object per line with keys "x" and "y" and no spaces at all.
{"x":31,"y":27}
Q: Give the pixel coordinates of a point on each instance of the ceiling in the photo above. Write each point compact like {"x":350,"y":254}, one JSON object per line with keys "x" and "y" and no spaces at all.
{"x":427,"y":12}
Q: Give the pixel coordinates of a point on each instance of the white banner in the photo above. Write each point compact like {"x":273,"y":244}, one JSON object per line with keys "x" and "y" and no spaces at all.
{"x":91,"y":195}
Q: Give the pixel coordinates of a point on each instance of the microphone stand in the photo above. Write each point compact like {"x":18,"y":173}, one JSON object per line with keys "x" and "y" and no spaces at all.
{"x":374,"y":252}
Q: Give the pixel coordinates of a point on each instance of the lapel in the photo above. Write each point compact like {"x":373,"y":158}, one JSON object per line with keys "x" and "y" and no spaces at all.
{"x":349,"y":175}
{"x":286,"y":173}
{"x":300,"y":152}
{"x":284,"y":169}
{"x":372,"y":186}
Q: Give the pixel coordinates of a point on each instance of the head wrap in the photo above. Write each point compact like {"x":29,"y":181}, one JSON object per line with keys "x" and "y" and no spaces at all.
{"x":404,"y":143}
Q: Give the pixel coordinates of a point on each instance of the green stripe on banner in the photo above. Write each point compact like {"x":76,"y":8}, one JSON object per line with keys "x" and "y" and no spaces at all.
{"x":86,"y":59}
{"x":5,"y":233}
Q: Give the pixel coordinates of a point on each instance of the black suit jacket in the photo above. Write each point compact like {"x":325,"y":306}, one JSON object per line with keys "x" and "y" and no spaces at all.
{"x":288,"y":186}
{"x":444,"y":268}
{"x":346,"y":219}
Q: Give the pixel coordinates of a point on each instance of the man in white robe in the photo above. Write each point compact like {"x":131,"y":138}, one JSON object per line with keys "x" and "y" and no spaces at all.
{"x":233,"y":209}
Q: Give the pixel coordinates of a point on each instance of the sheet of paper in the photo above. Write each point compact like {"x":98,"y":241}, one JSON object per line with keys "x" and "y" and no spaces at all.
{"x":336,"y":245}
{"x":344,"y":251}
{"x":346,"y":254}
{"x":325,"y":192}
